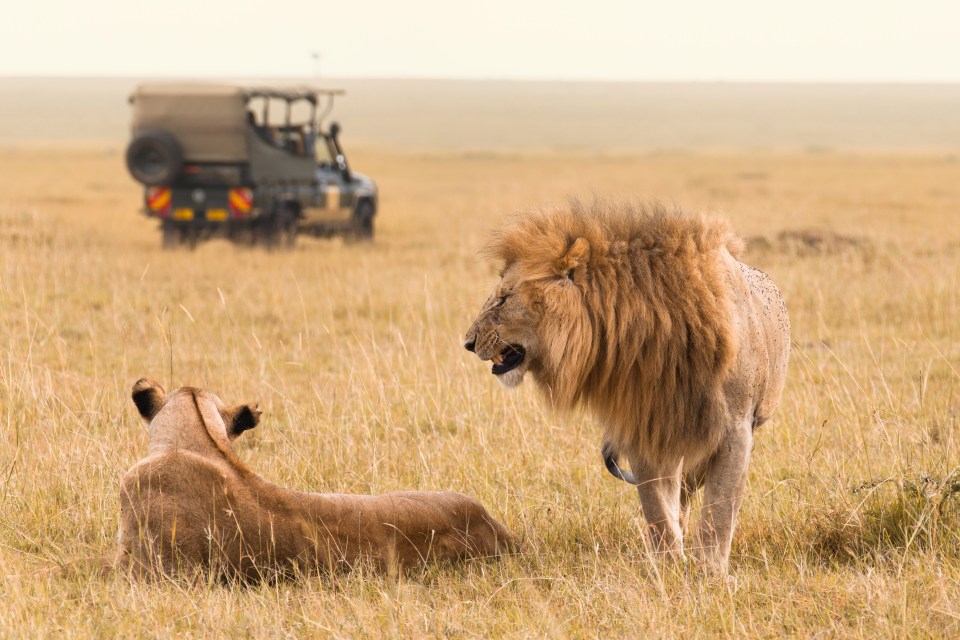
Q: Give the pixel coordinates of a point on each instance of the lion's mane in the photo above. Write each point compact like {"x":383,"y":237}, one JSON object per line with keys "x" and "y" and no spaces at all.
{"x":650,"y":343}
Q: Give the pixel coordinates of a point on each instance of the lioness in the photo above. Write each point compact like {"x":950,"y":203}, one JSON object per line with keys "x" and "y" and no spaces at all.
{"x":192,"y":504}
{"x":647,"y":317}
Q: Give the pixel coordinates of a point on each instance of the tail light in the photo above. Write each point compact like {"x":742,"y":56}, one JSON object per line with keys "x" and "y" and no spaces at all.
{"x":240,"y":201}
{"x":158,"y":200}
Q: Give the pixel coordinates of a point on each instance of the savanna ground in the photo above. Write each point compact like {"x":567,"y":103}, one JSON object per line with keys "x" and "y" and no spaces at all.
{"x":851,"y":524}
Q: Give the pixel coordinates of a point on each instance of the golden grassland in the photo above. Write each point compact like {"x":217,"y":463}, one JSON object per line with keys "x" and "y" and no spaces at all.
{"x":851,"y":524}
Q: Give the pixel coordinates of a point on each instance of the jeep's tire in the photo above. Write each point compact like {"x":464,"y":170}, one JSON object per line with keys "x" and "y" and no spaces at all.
{"x":154,"y":157}
{"x":362,"y":221}
{"x":172,"y":235}
{"x":177,"y":235}
{"x":279,"y":231}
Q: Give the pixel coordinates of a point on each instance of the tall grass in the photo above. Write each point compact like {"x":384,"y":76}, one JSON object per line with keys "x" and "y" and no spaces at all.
{"x":851,"y":525}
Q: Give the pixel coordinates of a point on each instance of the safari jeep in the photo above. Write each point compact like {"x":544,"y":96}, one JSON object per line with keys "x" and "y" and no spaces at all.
{"x":215,"y":161}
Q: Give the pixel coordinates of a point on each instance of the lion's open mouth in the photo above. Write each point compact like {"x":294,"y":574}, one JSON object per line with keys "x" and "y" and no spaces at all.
{"x":508,"y":359}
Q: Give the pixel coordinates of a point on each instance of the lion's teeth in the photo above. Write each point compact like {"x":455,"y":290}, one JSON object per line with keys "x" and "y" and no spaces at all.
{"x":497,"y":359}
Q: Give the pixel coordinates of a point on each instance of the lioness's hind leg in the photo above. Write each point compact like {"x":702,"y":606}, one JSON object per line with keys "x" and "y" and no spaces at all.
{"x":660,"y":499}
{"x":725,"y":479}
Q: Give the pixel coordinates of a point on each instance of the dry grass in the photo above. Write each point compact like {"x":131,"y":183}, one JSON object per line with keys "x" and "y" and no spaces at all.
{"x":851,"y":526}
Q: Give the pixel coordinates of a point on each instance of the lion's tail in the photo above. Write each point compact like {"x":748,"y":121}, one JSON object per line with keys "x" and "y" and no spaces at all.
{"x":610,"y":456}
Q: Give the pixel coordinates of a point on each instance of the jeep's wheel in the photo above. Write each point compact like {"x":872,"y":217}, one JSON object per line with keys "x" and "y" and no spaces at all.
{"x":172,"y":236}
{"x":279,"y":231}
{"x":176,"y":236}
{"x":154,"y":157}
{"x":362,"y":221}
{"x":191,"y":236}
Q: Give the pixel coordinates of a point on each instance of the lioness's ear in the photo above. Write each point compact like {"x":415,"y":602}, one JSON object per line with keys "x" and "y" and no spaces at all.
{"x":148,"y":395}
{"x":240,"y":418}
{"x":578,"y":254}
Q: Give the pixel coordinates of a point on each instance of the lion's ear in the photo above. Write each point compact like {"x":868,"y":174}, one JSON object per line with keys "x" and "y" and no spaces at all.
{"x":148,"y":395}
{"x":578,"y":254}
{"x":241,"y":418}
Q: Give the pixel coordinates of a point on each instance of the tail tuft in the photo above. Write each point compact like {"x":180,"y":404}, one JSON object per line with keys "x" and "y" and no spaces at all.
{"x":610,"y":456}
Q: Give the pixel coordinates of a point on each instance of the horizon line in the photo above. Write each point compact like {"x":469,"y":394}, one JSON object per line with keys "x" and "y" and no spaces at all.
{"x":509,"y":79}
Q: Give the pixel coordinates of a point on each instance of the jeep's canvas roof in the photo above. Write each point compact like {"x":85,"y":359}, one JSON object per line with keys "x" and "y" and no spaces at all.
{"x":208,"y":120}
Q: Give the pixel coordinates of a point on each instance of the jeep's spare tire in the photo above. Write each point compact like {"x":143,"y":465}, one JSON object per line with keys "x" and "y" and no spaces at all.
{"x":154,"y":157}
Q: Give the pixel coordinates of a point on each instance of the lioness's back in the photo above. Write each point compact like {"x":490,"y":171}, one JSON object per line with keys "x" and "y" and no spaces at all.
{"x":181,"y":509}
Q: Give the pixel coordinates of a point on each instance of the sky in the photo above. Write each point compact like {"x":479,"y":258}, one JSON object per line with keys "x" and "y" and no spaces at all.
{"x":662,"y":40}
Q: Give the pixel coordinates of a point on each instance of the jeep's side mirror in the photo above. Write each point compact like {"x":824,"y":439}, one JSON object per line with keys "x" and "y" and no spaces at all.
{"x":334,"y":129}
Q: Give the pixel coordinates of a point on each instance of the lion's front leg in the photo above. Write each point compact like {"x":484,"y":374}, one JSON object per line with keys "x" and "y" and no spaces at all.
{"x":660,"y":499}
{"x":724,"y":484}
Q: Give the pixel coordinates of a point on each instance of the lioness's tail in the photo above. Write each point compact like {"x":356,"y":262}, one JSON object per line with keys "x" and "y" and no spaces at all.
{"x":610,"y":455}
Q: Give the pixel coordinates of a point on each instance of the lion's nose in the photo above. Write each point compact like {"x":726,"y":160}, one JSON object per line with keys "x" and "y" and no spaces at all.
{"x":470,"y":345}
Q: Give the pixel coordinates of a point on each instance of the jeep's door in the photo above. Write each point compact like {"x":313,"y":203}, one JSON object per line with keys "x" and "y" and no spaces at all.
{"x":332,"y":199}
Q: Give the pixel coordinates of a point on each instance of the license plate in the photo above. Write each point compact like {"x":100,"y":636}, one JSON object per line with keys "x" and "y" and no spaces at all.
{"x":183,"y":214}
{"x":216,"y":214}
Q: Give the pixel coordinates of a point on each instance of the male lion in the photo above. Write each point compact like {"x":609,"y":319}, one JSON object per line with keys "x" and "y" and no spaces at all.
{"x":646,"y":317}
{"x":192,"y":504}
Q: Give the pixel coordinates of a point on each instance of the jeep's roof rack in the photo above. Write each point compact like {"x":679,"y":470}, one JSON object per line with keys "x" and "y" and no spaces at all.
{"x":211,"y":121}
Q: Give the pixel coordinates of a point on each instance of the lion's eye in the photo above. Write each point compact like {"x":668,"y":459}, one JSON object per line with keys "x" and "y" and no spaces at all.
{"x":500,"y":301}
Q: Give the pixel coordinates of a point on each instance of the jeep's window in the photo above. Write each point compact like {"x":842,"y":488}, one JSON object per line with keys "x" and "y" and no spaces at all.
{"x":326,"y":155}
{"x":282,"y":124}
